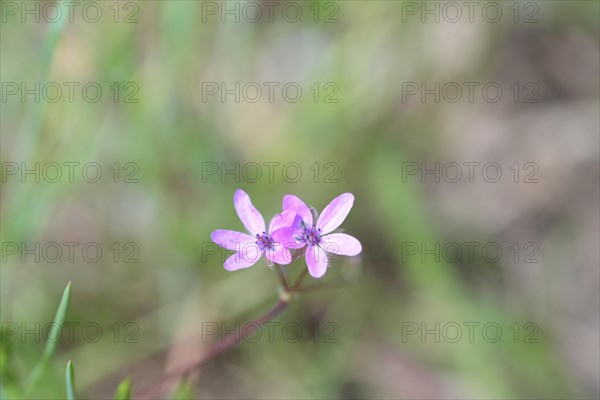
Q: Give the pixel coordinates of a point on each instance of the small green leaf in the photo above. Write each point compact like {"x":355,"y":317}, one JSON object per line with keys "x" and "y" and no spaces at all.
{"x":53,"y":334}
{"x":124,"y":390}
{"x":70,"y":381}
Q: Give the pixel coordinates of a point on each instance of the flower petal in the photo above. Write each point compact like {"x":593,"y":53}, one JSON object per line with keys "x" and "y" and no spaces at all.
{"x":291,"y":202}
{"x":284,"y":219}
{"x":340,"y":243}
{"x":244,"y":259}
{"x":286,"y":236}
{"x":316,"y":260}
{"x":279,"y":255}
{"x":231,"y":240}
{"x":335,"y":213}
{"x":250,"y":217}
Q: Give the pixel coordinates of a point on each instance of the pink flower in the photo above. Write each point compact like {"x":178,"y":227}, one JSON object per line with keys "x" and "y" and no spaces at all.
{"x":249,"y":248}
{"x":318,"y":237}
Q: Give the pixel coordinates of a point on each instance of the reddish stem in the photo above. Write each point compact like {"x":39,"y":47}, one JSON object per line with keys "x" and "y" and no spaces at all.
{"x":282,"y":279}
{"x":299,"y":280}
{"x":215,"y":351}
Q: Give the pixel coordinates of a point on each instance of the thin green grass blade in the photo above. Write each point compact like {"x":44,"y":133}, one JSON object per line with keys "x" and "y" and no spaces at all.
{"x":124,"y":390}
{"x":184,"y":391}
{"x":59,"y":319}
{"x":70,"y":381}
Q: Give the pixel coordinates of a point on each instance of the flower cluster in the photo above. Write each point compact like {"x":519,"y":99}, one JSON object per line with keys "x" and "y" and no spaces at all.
{"x":292,"y":229}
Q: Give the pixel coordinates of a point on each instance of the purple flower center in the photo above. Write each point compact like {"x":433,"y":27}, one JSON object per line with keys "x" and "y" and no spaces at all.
{"x":264,"y":241}
{"x":309,"y":235}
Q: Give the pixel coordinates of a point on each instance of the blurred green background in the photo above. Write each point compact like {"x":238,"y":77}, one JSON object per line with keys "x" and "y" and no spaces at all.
{"x":162,"y":55}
